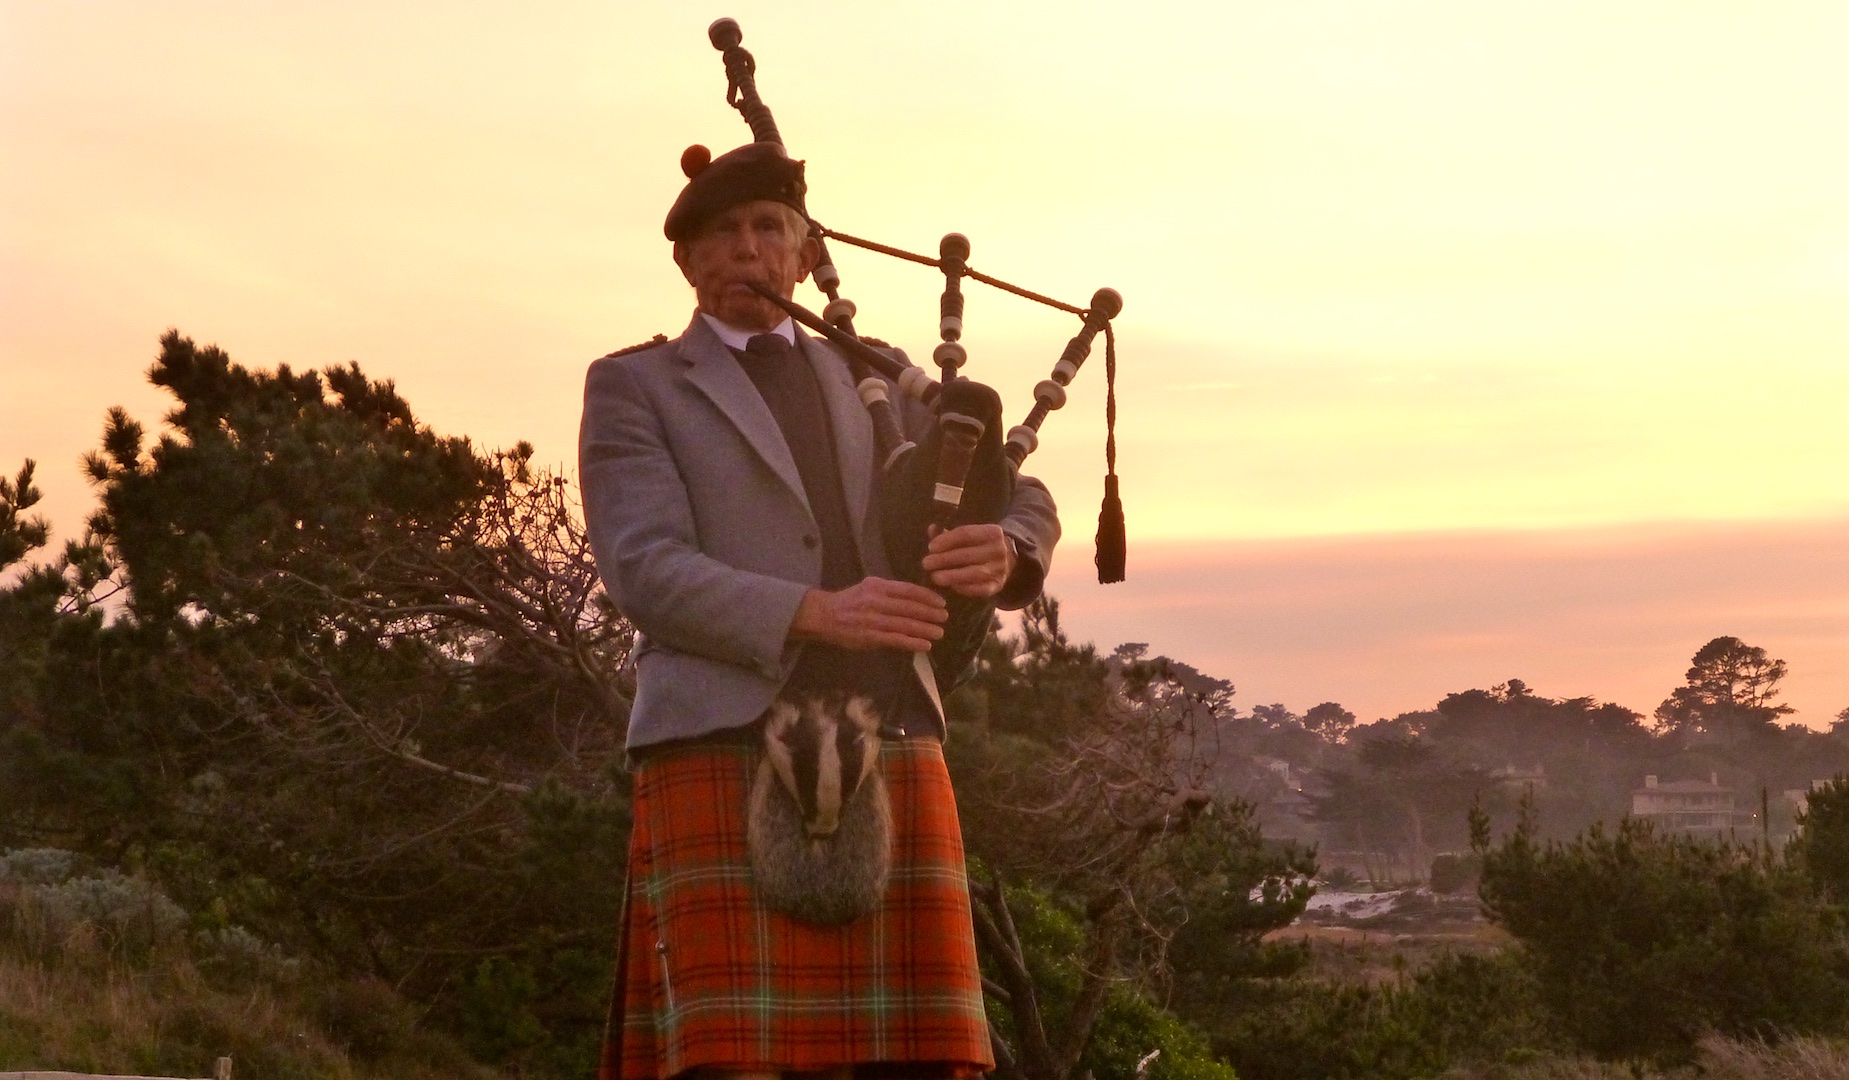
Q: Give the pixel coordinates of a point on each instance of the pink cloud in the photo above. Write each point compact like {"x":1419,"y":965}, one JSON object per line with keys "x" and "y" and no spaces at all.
{"x":1386,"y":624}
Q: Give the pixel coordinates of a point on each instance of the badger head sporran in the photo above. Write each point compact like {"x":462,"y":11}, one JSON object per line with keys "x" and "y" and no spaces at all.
{"x":819,"y":830}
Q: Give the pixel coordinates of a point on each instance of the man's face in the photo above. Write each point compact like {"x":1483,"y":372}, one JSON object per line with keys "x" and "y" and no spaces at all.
{"x":756,"y":242}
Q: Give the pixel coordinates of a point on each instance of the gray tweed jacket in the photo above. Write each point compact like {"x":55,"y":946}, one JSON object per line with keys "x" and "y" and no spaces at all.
{"x":703,"y":535}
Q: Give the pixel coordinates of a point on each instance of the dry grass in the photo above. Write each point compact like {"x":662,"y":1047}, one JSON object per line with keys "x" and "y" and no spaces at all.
{"x":1560,"y":1069}
{"x":166,"y":1020}
{"x":1719,"y":1059}
{"x":90,"y":1017}
{"x":109,"y":994}
{"x":1364,"y":954}
{"x":1793,"y":1059}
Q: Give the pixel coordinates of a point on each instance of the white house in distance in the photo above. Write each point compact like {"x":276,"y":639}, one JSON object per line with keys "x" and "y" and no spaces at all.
{"x":1696,"y":807}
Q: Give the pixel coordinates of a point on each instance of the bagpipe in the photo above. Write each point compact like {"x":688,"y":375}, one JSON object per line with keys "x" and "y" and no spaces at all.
{"x":963,"y":472}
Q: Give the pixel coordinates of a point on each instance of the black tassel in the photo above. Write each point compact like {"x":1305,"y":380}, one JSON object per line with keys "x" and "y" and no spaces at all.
{"x":1111,"y":542}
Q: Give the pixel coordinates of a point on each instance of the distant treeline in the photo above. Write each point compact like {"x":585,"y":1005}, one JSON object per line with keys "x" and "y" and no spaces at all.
{"x":1392,"y":795}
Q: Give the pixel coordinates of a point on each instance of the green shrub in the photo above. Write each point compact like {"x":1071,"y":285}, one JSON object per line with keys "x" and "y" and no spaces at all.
{"x":233,"y":956}
{"x":37,"y":866}
{"x":1457,"y":1010}
{"x":1455,"y":873}
{"x":365,"y":1017}
{"x":1340,"y":877}
{"x":54,"y":908}
{"x":1129,"y":1026}
{"x":1821,"y":845}
{"x":1642,"y":942}
{"x":98,"y":974}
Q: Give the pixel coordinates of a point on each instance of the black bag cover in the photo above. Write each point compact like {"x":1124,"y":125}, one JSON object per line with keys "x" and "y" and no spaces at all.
{"x":906,"y":513}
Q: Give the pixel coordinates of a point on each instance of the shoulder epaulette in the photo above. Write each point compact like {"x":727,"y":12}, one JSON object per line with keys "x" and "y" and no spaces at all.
{"x":658,"y":339}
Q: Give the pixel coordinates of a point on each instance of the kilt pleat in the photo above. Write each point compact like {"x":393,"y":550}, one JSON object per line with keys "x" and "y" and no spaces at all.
{"x":709,"y":977}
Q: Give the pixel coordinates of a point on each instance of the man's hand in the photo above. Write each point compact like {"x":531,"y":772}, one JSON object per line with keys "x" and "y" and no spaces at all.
{"x":972,"y":560}
{"x":874,"y":614}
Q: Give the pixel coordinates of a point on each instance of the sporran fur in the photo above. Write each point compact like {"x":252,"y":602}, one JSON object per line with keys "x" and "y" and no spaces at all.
{"x":819,"y":830}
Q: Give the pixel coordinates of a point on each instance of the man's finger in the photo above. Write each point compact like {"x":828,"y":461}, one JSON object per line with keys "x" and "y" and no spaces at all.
{"x":915,"y":636}
{"x":887,"y":588}
{"x":914,"y":610}
{"x":965,"y":535}
{"x":947,"y":560}
{"x":964,"y":575}
{"x":922,"y":600}
{"x":887,"y":614}
{"x":906,"y":624}
{"x":979,"y":588}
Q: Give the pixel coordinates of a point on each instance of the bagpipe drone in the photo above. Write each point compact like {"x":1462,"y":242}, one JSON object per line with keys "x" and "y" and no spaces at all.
{"x":963,"y":472}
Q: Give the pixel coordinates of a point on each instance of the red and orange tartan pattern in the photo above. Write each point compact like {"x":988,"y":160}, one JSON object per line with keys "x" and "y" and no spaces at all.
{"x":707,"y":976}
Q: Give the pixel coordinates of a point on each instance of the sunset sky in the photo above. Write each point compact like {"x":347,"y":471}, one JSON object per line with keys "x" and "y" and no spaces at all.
{"x":1462,"y":341}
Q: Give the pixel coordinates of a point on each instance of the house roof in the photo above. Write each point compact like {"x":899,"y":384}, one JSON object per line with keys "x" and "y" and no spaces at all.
{"x":1685,"y":787}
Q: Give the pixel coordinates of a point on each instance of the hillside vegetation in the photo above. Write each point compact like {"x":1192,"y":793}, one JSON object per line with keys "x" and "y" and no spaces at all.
{"x":102,"y":973}
{"x":310,"y":754}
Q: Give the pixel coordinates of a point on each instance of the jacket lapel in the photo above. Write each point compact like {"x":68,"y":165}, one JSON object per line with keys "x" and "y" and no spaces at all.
{"x":853,"y":428}
{"x":715,"y":372}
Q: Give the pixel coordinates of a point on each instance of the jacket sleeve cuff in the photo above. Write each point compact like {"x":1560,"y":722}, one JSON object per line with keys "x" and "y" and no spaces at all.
{"x":770,"y":647}
{"x":1028,"y":577}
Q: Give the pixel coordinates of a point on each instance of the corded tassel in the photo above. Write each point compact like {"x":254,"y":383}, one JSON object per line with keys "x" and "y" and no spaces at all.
{"x":1112,"y":545}
{"x":1111,"y":542}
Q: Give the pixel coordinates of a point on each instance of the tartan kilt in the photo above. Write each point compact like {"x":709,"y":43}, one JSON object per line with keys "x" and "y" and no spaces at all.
{"x":707,"y":976}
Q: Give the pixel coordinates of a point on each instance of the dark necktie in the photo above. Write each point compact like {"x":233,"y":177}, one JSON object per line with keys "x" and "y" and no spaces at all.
{"x":771,"y":347}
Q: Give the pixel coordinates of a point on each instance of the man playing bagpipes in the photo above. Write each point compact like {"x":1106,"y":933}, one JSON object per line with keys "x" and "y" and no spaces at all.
{"x":796,"y":896}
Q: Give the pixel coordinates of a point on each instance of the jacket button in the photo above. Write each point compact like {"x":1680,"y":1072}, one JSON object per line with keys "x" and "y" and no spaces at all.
{"x":811,"y":541}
